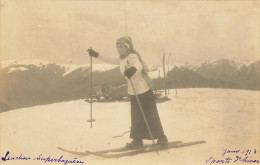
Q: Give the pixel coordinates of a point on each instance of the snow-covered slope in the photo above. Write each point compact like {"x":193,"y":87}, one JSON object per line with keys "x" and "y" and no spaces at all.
{"x":225,"y":119}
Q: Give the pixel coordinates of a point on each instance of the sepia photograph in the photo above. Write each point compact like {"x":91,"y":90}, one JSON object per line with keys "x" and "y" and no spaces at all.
{"x":129,"y":82}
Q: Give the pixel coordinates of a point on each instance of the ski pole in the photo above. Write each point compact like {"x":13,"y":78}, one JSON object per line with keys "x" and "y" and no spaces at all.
{"x":90,"y":91}
{"x":165,"y":84}
{"x":175,"y":83}
{"x":90,"y":120}
{"x":142,"y":111}
{"x":168,"y":82}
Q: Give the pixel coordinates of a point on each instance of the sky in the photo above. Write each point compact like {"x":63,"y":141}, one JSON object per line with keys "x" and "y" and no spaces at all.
{"x":188,"y":31}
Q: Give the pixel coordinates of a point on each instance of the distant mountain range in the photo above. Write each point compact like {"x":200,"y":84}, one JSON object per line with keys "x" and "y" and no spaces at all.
{"x":30,"y":83}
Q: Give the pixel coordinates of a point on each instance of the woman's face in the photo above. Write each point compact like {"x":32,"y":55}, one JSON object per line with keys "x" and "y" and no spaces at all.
{"x":122,"y":49}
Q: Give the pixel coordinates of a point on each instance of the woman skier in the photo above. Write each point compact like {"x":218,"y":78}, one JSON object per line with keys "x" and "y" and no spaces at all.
{"x":133,"y":67}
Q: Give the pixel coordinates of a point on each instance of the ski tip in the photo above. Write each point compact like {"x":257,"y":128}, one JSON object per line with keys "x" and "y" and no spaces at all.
{"x":117,"y":136}
{"x":59,"y":148}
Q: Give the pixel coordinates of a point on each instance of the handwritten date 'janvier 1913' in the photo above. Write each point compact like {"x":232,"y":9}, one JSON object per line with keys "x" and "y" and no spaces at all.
{"x":235,"y":156}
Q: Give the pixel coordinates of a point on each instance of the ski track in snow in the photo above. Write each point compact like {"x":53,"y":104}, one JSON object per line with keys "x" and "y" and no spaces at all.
{"x":224,"y":118}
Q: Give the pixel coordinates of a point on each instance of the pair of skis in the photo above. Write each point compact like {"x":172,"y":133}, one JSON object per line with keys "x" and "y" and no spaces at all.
{"x":122,"y":152}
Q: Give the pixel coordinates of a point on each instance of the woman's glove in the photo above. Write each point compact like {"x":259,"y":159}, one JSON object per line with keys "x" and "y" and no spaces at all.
{"x":130,"y":72}
{"x":92,"y":53}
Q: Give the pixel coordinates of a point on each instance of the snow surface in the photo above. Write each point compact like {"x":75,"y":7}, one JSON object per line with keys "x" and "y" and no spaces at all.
{"x":224,"y":118}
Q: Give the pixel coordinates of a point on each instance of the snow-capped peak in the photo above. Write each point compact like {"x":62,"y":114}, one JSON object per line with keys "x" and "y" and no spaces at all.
{"x":37,"y":62}
{"x":17,"y":69}
{"x":236,"y":64}
{"x":95,"y":67}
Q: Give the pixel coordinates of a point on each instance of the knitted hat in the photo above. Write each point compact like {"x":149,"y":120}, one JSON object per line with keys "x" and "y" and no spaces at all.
{"x":127,"y":41}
